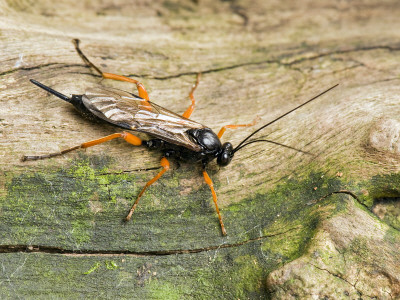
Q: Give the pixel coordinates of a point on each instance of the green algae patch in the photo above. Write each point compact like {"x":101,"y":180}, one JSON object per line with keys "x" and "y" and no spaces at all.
{"x":247,"y":276}
{"x":83,"y":206}
{"x":111,"y":265}
{"x":82,"y":169}
{"x":92,"y":269}
{"x":289,"y":204}
{"x":379,"y":187}
{"x":166,"y":291}
{"x":288,"y":245}
{"x":58,"y":207}
{"x":381,"y":195}
{"x":81,"y":232}
{"x":97,"y":266}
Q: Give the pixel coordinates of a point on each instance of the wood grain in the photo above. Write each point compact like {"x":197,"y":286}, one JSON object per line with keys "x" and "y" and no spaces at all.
{"x":61,"y":225}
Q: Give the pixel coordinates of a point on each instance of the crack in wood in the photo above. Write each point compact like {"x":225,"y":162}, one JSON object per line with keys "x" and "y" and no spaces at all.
{"x":338,"y":192}
{"x":71,"y":252}
{"x":390,"y":48}
{"x":339,"y":277}
{"x":131,"y":171}
{"x":38,"y":67}
{"x":269,"y":61}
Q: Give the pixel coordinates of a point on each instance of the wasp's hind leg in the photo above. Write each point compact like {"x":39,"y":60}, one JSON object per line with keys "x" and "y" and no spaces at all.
{"x":190,"y":109}
{"x":223,"y":129}
{"x":130,"y":138}
{"x":165,"y":165}
{"x":140,"y":87}
{"x":211,"y":185}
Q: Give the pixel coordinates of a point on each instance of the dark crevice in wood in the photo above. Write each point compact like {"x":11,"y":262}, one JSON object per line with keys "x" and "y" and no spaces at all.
{"x":338,"y":192}
{"x":221,"y":69}
{"x":38,"y":67}
{"x":287,"y":64}
{"x":339,"y":277}
{"x":341,"y":192}
{"x":131,"y":171}
{"x":58,"y":250}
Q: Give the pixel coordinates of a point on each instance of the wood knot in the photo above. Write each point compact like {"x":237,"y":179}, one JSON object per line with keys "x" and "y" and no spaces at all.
{"x":385,"y":136}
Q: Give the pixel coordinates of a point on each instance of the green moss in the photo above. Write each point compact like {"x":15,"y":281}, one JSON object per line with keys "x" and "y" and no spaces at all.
{"x":392,"y":236}
{"x":247,"y":276}
{"x":165,"y":291}
{"x":380,"y":186}
{"x":289,"y":246}
{"x":92,"y":269}
{"x":79,"y":198}
{"x":359,"y":246}
{"x":82,"y":170}
{"x":111,"y":265}
{"x":81,"y":231}
{"x":186,"y":214}
{"x":83,"y":206}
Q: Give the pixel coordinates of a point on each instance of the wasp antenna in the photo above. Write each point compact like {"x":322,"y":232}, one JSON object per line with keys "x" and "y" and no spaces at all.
{"x":275,"y":143}
{"x":280,"y":117}
{"x":50,"y":90}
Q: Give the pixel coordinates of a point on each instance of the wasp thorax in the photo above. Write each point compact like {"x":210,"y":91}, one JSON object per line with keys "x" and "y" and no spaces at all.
{"x":206,"y":138}
{"x":225,"y":157}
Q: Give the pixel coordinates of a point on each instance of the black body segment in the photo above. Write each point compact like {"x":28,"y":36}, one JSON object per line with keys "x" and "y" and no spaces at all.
{"x":50,"y":90}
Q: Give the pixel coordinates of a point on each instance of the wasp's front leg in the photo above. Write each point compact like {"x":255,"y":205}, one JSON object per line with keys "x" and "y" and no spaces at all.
{"x":223,"y":129}
{"x":211,"y":185}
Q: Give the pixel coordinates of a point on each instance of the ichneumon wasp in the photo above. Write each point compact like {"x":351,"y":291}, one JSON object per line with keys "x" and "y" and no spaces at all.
{"x":174,"y":135}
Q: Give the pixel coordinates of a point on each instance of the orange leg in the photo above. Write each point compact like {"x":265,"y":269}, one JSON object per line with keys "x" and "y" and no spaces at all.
{"x":165,"y":164}
{"x":130,"y":138}
{"x":223,"y":129}
{"x":190,"y":109}
{"x":140,"y":87}
{"x":210,"y":184}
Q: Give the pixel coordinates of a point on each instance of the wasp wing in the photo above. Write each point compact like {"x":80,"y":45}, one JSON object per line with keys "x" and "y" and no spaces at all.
{"x":129,"y":111}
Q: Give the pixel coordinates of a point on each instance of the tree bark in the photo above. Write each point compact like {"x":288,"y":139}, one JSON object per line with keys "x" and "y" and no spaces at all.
{"x":299,"y":226}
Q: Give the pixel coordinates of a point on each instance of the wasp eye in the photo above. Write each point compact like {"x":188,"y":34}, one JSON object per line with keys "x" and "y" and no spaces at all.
{"x":225,"y":157}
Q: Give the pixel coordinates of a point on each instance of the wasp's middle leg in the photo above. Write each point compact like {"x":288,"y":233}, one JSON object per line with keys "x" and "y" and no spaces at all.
{"x":165,"y":165}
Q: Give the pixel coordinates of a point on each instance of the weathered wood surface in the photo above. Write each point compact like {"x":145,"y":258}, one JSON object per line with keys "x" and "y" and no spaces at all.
{"x":298,"y":226}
